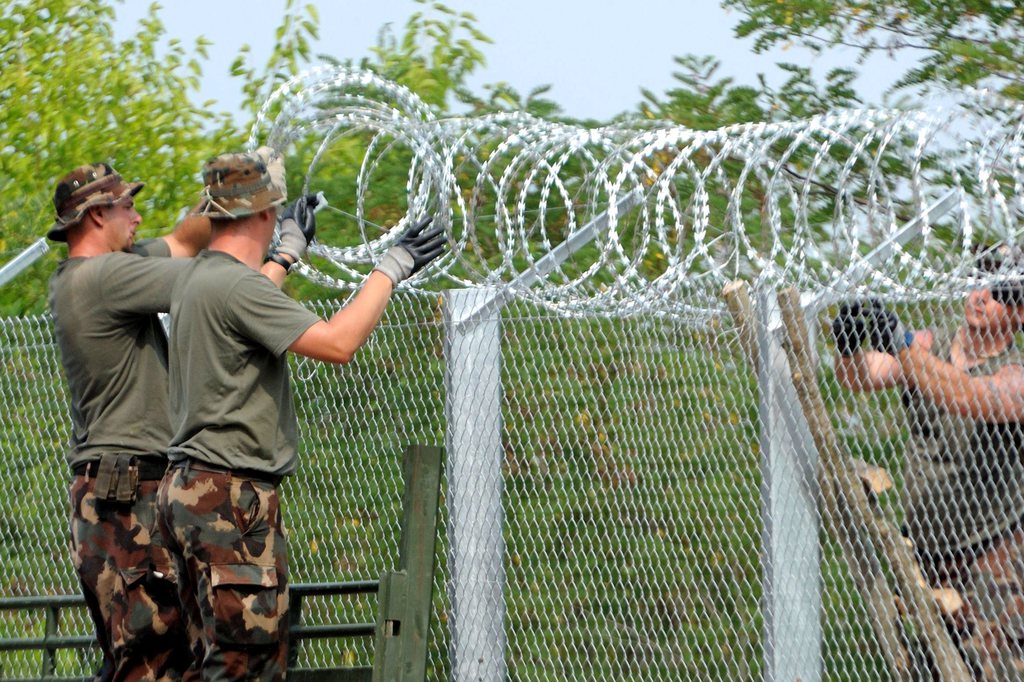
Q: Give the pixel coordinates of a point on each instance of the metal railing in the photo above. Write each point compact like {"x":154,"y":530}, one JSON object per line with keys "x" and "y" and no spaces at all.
{"x":401,"y":630}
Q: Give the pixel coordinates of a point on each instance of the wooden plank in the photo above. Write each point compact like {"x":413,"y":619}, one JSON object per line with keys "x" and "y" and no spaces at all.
{"x":406,"y":595}
{"x":864,"y":567}
{"x":949,"y":600}
{"x":876,"y":479}
{"x":950,"y":667}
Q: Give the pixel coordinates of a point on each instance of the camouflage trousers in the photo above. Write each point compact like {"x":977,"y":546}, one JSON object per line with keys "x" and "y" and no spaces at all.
{"x":128,"y":580}
{"x":989,"y":630}
{"x":229,"y":541}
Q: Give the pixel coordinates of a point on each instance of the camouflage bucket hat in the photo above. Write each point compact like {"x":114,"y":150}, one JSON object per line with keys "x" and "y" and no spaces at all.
{"x":95,"y":184}
{"x":237,"y":185}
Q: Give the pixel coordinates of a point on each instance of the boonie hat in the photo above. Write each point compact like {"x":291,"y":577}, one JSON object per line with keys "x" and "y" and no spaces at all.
{"x":95,"y":184}
{"x":237,"y":185}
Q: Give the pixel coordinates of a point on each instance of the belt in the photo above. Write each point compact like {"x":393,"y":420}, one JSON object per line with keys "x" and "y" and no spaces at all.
{"x":150,"y":468}
{"x":253,"y":474}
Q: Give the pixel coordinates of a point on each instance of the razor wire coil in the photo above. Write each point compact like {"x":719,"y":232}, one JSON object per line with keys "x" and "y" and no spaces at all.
{"x":633,"y":508}
{"x":792,"y":201}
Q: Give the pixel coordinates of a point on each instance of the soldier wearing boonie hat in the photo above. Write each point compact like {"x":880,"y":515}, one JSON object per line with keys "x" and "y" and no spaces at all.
{"x":85,"y":187}
{"x":114,"y":351}
{"x":963,"y":492}
{"x":237,"y":185}
{"x":104,"y":299}
{"x":231,"y":406}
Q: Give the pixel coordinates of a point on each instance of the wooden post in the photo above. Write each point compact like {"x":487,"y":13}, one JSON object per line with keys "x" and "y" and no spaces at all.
{"x":864,"y":567}
{"x":847,"y":487}
{"x":737,"y":299}
{"x":417,"y":558}
{"x":406,"y":595}
{"x":390,"y":655}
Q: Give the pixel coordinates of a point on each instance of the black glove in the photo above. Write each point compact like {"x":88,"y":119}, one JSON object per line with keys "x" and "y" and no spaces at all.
{"x":1008,"y":293}
{"x":414,"y":249}
{"x":303,"y":212}
{"x":887,"y":332}
{"x":849,"y":328}
{"x":296,"y":228}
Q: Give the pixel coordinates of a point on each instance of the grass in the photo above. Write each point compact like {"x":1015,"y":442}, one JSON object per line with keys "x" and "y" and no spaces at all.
{"x":631,"y":470}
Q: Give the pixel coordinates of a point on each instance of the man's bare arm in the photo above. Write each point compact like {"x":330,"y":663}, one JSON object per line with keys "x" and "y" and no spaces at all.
{"x":996,"y":398}
{"x":274,"y":272}
{"x":868,"y":371}
{"x":338,"y":339}
{"x":189,"y":237}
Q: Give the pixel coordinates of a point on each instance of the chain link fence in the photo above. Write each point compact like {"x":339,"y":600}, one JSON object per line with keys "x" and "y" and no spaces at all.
{"x":645,"y":479}
{"x":649,"y":524}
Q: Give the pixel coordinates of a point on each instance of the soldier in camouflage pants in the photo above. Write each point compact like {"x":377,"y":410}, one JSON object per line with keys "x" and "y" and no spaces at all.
{"x":104,"y":299}
{"x":128,"y":580}
{"x":963,"y":492}
{"x":227,"y":528}
{"x":231,"y":405}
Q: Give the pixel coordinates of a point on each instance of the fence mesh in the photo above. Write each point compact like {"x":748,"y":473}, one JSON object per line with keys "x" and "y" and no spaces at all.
{"x":647,"y":530}
{"x":640,"y":538}
{"x":643,"y":480}
{"x":631,"y":457}
{"x":342,"y":509}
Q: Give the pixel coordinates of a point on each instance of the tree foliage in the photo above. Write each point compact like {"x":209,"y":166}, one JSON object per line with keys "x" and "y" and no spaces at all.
{"x":290,"y":55}
{"x":960,"y":43}
{"x":502,"y":97}
{"x":72,"y":94}
{"x":435,"y":54}
{"x":703,"y":101}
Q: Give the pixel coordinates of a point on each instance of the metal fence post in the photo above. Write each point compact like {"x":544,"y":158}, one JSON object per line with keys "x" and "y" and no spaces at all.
{"x":473,"y":413}
{"x":27,"y":257}
{"x":475,"y":486}
{"x":789,"y":509}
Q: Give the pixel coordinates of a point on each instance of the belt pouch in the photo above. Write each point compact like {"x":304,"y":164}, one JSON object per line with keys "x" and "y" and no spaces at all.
{"x":117,"y":478}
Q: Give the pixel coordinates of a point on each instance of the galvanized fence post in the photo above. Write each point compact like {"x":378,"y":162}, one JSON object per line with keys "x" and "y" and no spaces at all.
{"x":789,"y":510}
{"x":475,"y":486}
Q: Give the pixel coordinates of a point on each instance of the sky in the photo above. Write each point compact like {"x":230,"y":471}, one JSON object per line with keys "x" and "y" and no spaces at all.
{"x":596,"y":55}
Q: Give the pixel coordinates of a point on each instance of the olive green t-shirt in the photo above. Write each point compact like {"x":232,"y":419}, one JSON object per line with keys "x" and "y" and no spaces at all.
{"x":114,"y":350}
{"x":231,"y":401}
{"x":963,"y":479}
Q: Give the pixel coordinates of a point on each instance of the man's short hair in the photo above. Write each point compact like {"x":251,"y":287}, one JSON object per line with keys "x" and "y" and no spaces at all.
{"x":1006,"y":261}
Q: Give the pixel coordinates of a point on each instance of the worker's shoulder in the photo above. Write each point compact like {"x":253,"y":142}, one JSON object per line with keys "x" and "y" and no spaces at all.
{"x":218,"y":275}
